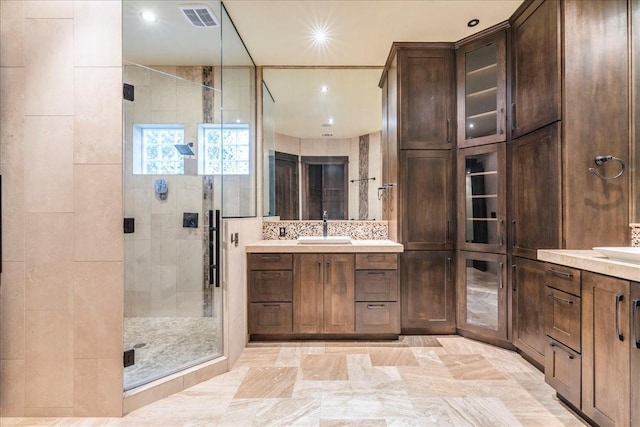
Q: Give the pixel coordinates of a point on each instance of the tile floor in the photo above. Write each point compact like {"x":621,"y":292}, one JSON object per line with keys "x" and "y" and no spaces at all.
{"x":416,"y":381}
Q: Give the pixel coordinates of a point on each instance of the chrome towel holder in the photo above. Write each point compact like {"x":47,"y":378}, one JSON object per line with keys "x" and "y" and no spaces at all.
{"x":599,"y":160}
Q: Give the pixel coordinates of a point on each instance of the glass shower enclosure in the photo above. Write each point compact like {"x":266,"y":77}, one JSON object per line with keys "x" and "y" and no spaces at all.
{"x":181,"y":152}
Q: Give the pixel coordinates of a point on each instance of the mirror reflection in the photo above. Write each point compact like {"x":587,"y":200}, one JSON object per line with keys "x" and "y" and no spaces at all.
{"x":322,"y":142}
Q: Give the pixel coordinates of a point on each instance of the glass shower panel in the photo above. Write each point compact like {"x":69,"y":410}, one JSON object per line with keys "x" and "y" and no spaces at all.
{"x":173,"y":310}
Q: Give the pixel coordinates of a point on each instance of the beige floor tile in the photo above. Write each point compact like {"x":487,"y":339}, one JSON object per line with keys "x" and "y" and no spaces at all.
{"x":480,"y":411}
{"x":471,"y":367}
{"x":420,"y":341}
{"x":323,"y":367}
{"x":420,"y":384}
{"x":267,"y":383}
{"x":392,"y":357}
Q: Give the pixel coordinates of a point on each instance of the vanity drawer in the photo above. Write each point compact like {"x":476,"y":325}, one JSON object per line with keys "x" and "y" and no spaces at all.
{"x":377,"y":318}
{"x":376,"y":261}
{"x":271,"y":285}
{"x":270,"y":261}
{"x":562,"y":317}
{"x":377,"y":285}
{"x":563,"y":371}
{"x":563,"y":278}
{"x":270,"y":318}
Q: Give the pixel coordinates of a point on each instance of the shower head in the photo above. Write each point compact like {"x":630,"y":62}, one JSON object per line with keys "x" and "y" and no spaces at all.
{"x":185,"y":149}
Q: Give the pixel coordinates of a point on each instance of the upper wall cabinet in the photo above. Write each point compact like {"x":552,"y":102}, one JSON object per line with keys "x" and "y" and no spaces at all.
{"x":536,"y":83}
{"x":481,"y":79}
{"x":426,"y":94}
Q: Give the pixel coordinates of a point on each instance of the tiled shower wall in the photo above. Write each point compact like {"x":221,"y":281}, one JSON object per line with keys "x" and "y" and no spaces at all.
{"x":164,"y":270}
{"x":61,"y":161}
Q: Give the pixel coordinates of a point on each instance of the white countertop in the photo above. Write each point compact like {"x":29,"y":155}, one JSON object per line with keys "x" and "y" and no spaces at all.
{"x":593,"y":261}
{"x":365,"y":246}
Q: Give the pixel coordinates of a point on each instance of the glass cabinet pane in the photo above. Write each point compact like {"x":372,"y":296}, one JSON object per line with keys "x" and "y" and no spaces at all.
{"x":481,"y":91}
{"x":482,"y":284}
{"x":481,"y":198}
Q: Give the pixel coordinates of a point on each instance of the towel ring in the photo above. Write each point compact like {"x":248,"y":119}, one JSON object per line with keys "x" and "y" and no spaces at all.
{"x":603,"y":159}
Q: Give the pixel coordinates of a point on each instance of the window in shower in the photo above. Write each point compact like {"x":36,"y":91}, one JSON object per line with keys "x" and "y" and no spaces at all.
{"x":226,"y":149}
{"x":154,"y":149}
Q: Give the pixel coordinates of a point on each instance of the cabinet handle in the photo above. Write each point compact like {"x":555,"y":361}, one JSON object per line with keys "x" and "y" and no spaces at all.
{"x":328,"y":269}
{"x":636,"y":308}
{"x":501,"y":232}
{"x":619,"y":299}
{"x":448,"y":130}
{"x":560,"y":273}
{"x":500,"y":275}
{"x":373,"y":273}
{"x":271,"y":305}
{"x":513,"y":233}
{"x":271,"y":275}
{"x":563,"y":300}
{"x":376,"y":257}
{"x":319,"y":268}
{"x":513,"y":278}
{"x":448,"y":275}
{"x":569,"y":355}
{"x":375,"y":306}
{"x":513,"y":116}
{"x":500,"y":120}
{"x":271,"y":258}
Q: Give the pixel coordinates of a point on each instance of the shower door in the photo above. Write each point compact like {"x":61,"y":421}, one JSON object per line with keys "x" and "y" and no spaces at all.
{"x":173,"y":302}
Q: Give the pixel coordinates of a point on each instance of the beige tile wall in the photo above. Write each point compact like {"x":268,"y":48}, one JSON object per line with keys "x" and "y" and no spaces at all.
{"x":61,"y":161}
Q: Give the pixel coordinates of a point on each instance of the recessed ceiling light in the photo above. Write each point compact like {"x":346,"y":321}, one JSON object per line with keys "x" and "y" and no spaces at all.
{"x":149,"y":16}
{"x":473,"y":22}
{"x":330,"y":121}
{"x":324,"y":89}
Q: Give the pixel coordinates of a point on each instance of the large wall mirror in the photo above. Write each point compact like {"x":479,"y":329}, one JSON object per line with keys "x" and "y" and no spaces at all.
{"x":321,"y":143}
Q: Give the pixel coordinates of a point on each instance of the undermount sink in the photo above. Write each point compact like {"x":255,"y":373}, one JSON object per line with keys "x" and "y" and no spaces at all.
{"x":627,"y":254}
{"x":329,"y":240}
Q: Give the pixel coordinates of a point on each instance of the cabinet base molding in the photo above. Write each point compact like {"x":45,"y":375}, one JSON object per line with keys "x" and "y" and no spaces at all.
{"x":322,"y":337}
{"x":489,"y":340}
{"x":433,"y":330}
{"x":576,"y":411}
{"x":539,"y":366}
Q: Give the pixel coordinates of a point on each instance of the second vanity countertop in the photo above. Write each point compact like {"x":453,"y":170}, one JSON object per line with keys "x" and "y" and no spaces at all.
{"x":356,"y":246}
{"x":593,"y":261}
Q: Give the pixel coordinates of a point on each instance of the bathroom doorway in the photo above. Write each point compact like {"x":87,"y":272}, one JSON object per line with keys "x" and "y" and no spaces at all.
{"x":324,"y":187}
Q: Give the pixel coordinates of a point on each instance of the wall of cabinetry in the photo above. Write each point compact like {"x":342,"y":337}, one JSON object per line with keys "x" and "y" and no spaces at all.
{"x":419,"y":173}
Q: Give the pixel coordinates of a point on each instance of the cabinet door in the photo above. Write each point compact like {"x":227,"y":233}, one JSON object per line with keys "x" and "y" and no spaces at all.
{"x":536,"y":51}
{"x":308,"y":293}
{"x":481,"y":205}
{"x":535,"y":192}
{"x":528,"y":291}
{"x":481,"y":294}
{"x":481,"y":91}
{"x":635,"y":353}
{"x":426,"y":98}
{"x":427,"y":194}
{"x":605,"y":349}
{"x":427,"y":290}
{"x":339,"y":293}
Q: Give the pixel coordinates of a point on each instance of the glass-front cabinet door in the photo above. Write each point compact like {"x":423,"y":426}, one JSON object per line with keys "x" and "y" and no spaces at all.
{"x":481,"y":201}
{"x":482,"y":294}
{"x":481,"y":77}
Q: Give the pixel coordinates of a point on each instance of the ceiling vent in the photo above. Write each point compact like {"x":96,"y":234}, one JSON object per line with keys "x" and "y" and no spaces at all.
{"x":199,"y":15}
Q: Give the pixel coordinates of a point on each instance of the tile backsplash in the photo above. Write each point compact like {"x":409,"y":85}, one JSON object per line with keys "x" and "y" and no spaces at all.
{"x":358,"y":230}
{"x":635,"y":234}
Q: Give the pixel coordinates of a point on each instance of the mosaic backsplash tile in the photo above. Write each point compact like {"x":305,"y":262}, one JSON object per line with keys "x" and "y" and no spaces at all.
{"x":635,"y":234}
{"x":358,"y":230}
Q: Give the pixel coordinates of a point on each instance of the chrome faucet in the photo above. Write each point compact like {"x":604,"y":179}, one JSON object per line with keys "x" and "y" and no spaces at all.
{"x":324,"y":224}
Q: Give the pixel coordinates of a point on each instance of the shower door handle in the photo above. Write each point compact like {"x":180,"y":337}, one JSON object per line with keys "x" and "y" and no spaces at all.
{"x":214,"y":247}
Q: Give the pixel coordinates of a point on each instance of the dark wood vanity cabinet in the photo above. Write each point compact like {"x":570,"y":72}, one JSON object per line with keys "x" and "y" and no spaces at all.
{"x":607,"y":332}
{"x":427,"y":292}
{"x":536,"y":48}
{"x":270,"y":293}
{"x":323,"y":293}
{"x":377,"y":292}
{"x":528,"y":293}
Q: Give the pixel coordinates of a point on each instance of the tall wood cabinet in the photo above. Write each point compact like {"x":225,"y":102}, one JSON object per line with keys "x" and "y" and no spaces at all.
{"x":419,"y":170}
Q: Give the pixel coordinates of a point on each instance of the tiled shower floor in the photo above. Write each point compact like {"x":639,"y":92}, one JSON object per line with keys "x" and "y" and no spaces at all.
{"x":164,"y":345}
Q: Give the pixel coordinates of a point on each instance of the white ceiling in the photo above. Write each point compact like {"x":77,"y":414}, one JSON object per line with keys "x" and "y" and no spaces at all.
{"x":278,"y":33}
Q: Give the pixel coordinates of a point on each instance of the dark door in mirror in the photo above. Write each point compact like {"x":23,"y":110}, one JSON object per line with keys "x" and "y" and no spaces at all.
{"x":286,"y":177}
{"x":324,"y":187}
